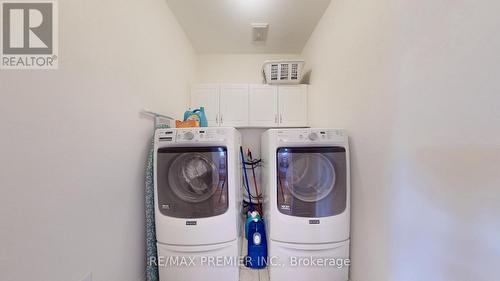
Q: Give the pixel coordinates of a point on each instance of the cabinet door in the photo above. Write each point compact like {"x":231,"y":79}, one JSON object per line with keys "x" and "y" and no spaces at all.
{"x":233,"y":105}
{"x":293,"y":105}
{"x":263,"y":106}
{"x":207,"y":95}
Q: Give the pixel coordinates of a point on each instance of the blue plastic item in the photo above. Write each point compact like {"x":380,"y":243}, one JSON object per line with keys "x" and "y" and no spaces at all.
{"x":250,"y":218}
{"x":257,"y":245}
{"x":197,"y":114}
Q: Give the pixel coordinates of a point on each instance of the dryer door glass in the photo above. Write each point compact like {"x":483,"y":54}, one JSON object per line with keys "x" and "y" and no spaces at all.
{"x":192,"y":181}
{"x":312,"y":181}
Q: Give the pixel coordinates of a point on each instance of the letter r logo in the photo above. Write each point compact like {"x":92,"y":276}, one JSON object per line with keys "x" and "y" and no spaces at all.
{"x":27,"y":28}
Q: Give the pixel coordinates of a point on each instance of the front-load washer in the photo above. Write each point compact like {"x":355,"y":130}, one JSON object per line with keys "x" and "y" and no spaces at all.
{"x":306,"y":187}
{"x":197,"y":198}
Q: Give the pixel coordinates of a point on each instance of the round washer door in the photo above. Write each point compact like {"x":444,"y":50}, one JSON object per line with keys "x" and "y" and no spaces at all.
{"x":193,"y":177}
{"x":311,"y":181}
{"x":311,"y":177}
{"x":192,"y":182}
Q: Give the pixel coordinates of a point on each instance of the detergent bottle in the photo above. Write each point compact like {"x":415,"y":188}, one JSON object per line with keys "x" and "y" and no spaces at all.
{"x":197,"y":115}
{"x":257,"y":244}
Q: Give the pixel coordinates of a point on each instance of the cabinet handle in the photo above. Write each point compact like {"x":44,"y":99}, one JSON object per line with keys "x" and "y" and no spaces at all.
{"x":276,"y":118}
{"x":221,"y":120}
{"x":281,"y":118}
{"x":217,"y":118}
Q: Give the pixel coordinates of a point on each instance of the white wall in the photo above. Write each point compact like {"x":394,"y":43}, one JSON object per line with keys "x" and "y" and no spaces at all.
{"x":416,"y":85}
{"x":447,"y":162}
{"x":73,"y":145}
{"x":234,"y":68}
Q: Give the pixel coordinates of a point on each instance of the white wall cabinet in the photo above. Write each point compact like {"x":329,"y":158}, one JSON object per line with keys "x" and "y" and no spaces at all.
{"x":233,"y":103}
{"x":256,"y":105}
{"x":278,"y":106}
{"x":292,"y":106}
{"x":263,"y":106}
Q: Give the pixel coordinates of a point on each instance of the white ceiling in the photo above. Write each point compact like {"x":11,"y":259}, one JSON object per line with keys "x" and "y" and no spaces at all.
{"x":223,"y":26}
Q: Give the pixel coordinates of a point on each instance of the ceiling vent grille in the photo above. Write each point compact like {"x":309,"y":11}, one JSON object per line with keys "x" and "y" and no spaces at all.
{"x":259,"y":32}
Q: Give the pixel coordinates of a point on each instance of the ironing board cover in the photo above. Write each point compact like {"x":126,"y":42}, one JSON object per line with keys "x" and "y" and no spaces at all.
{"x":151,"y":253}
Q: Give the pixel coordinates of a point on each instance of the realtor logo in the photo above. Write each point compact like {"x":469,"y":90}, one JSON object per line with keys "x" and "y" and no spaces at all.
{"x":29,"y":35}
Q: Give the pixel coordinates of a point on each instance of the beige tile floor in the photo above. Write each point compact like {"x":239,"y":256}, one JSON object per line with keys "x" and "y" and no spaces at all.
{"x":248,"y":274}
{"x":254,"y":275}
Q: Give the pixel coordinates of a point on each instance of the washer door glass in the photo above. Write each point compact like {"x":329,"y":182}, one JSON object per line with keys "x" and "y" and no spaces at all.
{"x":311,"y":181}
{"x":192,"y":182}
{"x":193,"y":177}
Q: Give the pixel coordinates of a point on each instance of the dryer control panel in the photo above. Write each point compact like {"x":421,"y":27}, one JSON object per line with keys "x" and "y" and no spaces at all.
{"x":192,"y":135}
{"x":310,"y":136}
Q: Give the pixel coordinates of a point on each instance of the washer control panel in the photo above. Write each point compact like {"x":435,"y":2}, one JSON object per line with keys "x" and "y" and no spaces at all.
{"x":192,"y":135}
{"x":310,"y":135}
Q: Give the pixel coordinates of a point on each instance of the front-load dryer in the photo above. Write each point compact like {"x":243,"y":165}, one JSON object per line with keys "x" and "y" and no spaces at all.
{"x":306,"y":187}
{"x":197,"y":198}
